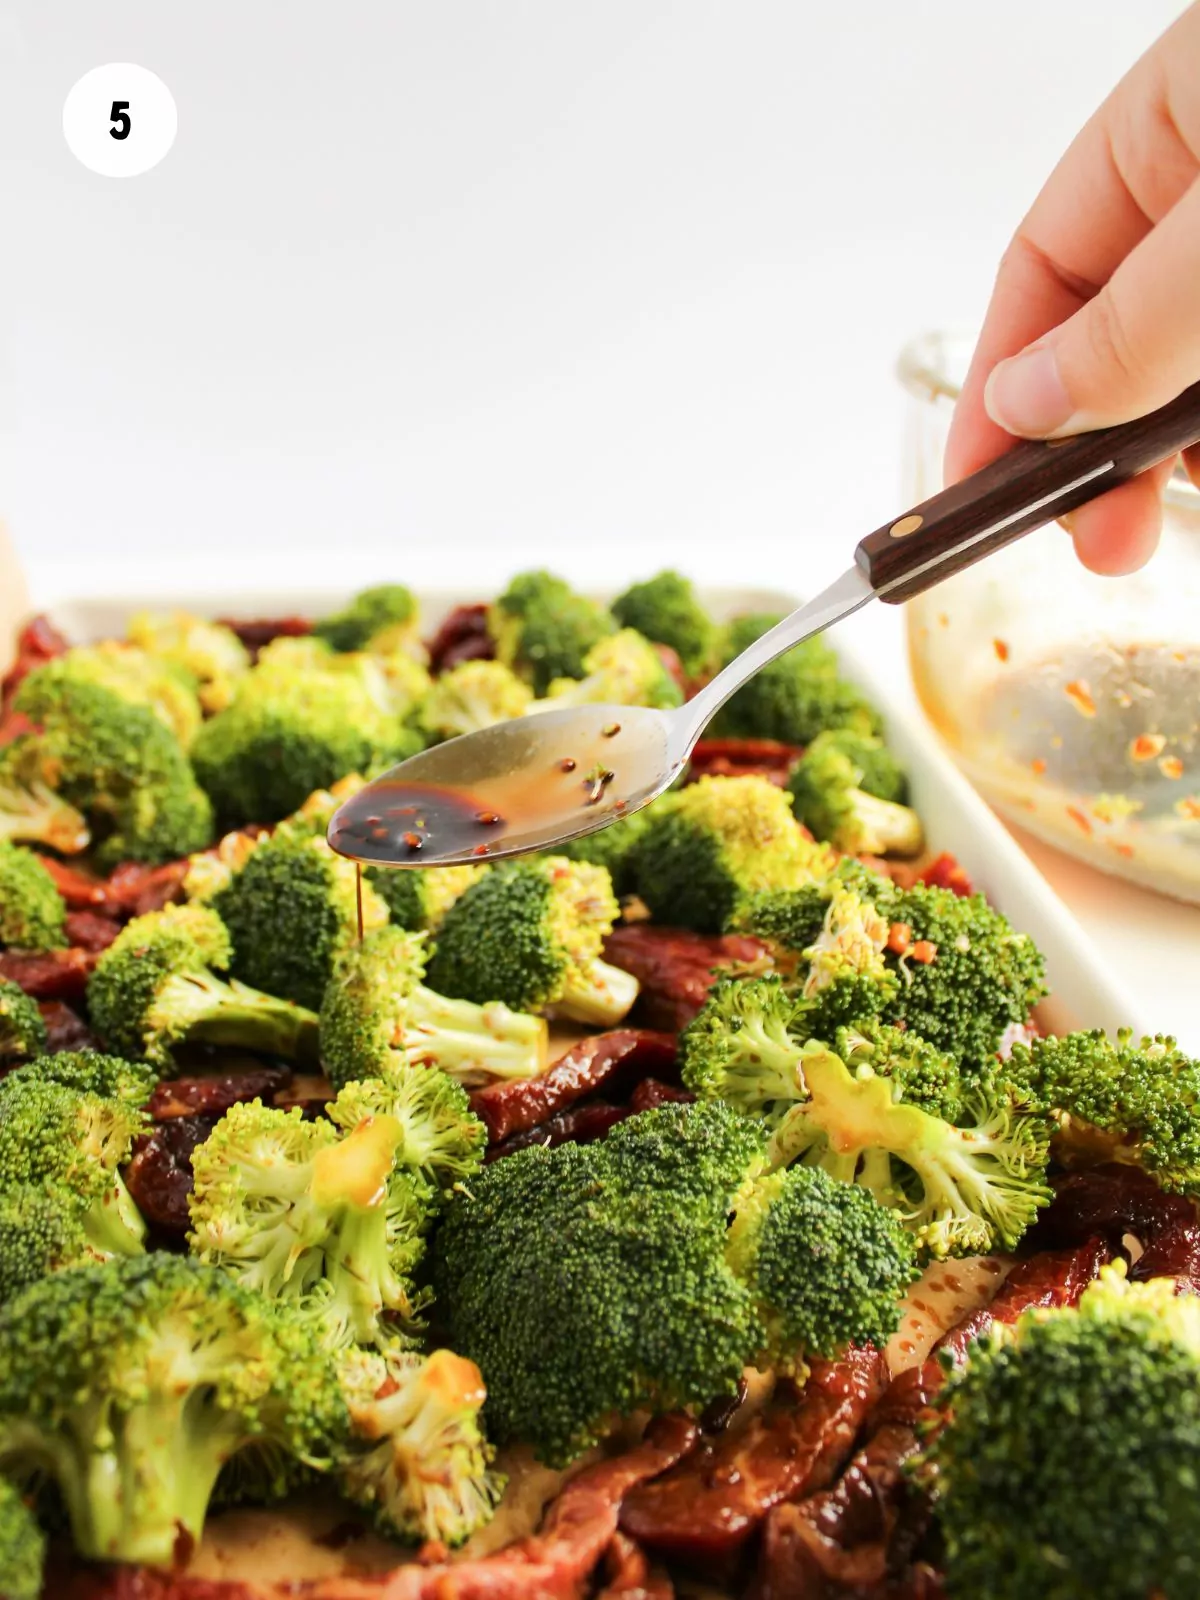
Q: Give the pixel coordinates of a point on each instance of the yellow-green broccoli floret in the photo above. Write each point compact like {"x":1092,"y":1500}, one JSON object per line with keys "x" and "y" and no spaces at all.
{"x":138,"y":677}
{"x":22,"y":1028}
{"x":529,"y":934}
{"x":711,"y":845}
{"x":131,"y":1384}
{"x":544,"y":630}
{"x":291,"y":911}
{"x":33,"y":914}
{"x":22,"y":1546}
{"x":329,"y":1221}
{"x":418,"y":898}
{"x":378,"y":1016}
{"x":622,"y":670}
{"x":384,"y":617}
{"x":116,"y":761}
{"x":443,"y":1139}
{"x":157,"y":984}
{"x":211,"y":654}
{"x":665,"y":608}
{"x":30,"y":811}
{"x":793,"y":698}
{"x":89,"y":1072}
{"x":471,"y":696}
{"x":843,"y":790}
{"x":1068,"y":1451}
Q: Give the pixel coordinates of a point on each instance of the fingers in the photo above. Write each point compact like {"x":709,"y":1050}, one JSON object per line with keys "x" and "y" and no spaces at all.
{"x":1119,"y":533}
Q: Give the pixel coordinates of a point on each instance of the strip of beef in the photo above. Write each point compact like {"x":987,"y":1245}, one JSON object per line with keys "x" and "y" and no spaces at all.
{"x":1173,"y":1252}
{"x":653,"y":1092}
{"x":705,"y":1510}
{"x":185,"y":1097}
{"x":676,"y":968}
{"x":131,"y":888}
{"x":602,"y":1061}
{"x":49,"y":974}
{"x":463,"y":636}
{"x":39,"y":641}
{"x":628,"y":1574}
{"x":557,"y":1562}
{"x":65,"y":1029}
{"x":861,"y":1533}
{"x":91,"y":930}
{"x":1111,"y":1200}
{"x":741,"y":758}
{"x":255,"y":632}
{"x":159,"y":1176}
{"x":576,"y":1125}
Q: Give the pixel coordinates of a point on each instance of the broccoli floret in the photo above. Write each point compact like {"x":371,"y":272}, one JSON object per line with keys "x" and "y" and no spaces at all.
{"x":211,"y":654}
{"x":43,"y":1229}
{"x":791,"y":920}
{"x":960,"y":1189}
{"x":471,"y":696}
{"x":665,"y":609}
{"x":33,"y":915}
{"x":1134,"y":1102}
{"x":1067,"y":1460}
{"x":793,"y":698}
{"x":443,"y":1138}
{"x":89,"y":1072}
{"x":544,"y":630}
{"x":291,"y":911}
{"x":136,"y":677}
{"x":377,"y":1016}
{"x":611,"y":848}
{"x":623,"y":670}
{"x":826,"y":1263}
{"x":383,"y":617}
{"x":529,"y":934}
{"x":291,"y":729}
{"x":418,"y":1458}
{"x":842,"y":790}
{"x":116,"y":761}
{"x":418,"y":898}
{"x":328,"y":1221}
{"x":746,"y":1046}
{"x":30,"y":811}
{"x":62,"y":1138}
{"x":706,"y":848}
{"x":588,"y":1282}
{"x":22,"y":1029}
{"x":210,"y":871}
{"x":22,"y":1546}
{"x":131,"y":1384}
{"x":157,"y":985}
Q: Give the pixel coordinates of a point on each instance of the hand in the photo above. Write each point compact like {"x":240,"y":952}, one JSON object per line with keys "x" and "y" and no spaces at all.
{"x":1095,"y":316}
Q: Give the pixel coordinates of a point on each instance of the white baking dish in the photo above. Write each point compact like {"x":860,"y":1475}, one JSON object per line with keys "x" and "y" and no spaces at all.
{"x":1084,"y":992}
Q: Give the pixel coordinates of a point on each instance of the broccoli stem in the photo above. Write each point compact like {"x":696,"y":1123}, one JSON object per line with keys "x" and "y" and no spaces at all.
{"x":474,"y":1044}
{"x":113,"y":1224}
{"x":885,"y":828}
{"x":599,"y":994}
{"x":34,"y":814}
{"x":205,"y":1008}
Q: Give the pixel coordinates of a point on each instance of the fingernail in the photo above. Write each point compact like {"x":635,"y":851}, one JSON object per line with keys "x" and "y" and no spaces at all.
{"x":1025,"y":395}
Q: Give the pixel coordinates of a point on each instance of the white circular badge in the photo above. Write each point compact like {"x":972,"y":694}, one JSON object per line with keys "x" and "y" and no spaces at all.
{"x":120,"y":120}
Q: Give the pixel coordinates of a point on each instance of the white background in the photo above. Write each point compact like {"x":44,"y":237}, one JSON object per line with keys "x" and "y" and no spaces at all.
{"x":432,"y":289}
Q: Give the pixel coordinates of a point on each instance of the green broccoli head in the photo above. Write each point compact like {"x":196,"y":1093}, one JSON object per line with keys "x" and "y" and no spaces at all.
{"x":113,"y":759}
{"x":529,"y":933}
{"x":22,"y":1028}
{"x":291,"y":911}
{"x":1067,"y":1459}
{"x":842,"y":790}
{"x":443,"y":1138}
{"x":22,"y":1546}
{"x":588,"y":1282}
{"x":417,"y":1457}
{"x":157,"y":985}
{"x":209,"y":654}
{"x":708,"y":847}
{"x":379,"y":618}
{"x":30,"y":811}
{"x":43,"y":1229}
{"x":418,"y":898}
{"x":665,"y":608}
{"x":329,"y":1221}
{"x":791,"y":920}
{"x":293,"y":728}
{"x":826,"y":1263}
{"x":623,"y":669}
{"x":611,"y":848}
{"x":33,"y":915}
{"x":1138,"y":1099}
{"x":377,"y":1018}
{"x":137,"y":677}
{"x":793,"y":698}
{"x":962,"y":1188}
{"x":544,"y":630}
{"x":89,"y":1072}
{"x":131,"y":1384}
{"x":471,"y":696}
{"x":56,"y":1137}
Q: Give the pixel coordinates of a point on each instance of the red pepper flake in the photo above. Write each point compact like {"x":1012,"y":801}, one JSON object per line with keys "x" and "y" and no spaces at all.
{"x":1146,"y":746}
{"x":1171,"y":767}
{"x":1037,"y":766}
{"x":1080,"y":696}
{"x":1079,"y":818}
{"x":899,"y":938}
{"x":924,"y":952}
{"x":1000,"y":646}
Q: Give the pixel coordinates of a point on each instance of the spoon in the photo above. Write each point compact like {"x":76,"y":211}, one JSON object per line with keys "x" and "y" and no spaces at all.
{"x":541,"y":780}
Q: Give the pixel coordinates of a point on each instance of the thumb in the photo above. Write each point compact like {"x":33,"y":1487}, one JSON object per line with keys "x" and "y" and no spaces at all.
{"x":1132,"y":347}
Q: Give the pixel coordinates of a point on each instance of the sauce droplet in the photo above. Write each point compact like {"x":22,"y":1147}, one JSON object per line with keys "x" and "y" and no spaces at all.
{"x":567,"y":764}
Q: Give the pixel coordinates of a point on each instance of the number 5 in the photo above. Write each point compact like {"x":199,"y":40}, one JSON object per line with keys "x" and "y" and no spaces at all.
{"x":119,"y":116}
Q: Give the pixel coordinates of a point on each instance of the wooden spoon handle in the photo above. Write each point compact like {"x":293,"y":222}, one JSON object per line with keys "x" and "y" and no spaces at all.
{"x":1031,"y":485}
